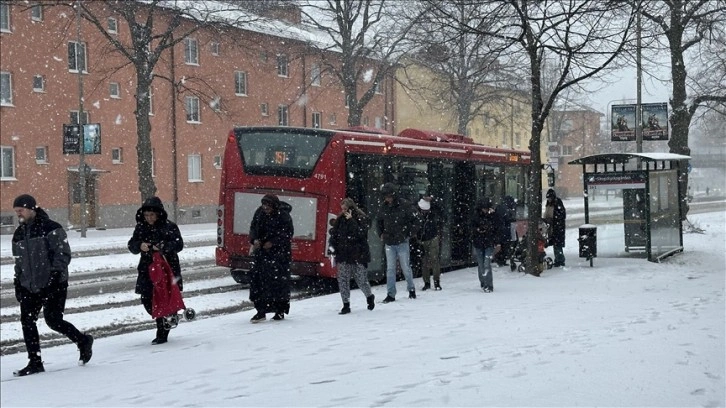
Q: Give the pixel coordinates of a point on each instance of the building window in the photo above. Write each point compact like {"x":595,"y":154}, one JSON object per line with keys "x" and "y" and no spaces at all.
{"x":191,"y":52}
{"x":333,"y":119}
{"x":379,"y":122}
{"x":365,"y":121}
{"x":7,"y":162}
{"x":6,"y":89}
{"x":112,"y":25}
{"x":217,"y":162}
{"x":117,"y":155}
{"x":263,"y":56}
{"x":77,"y":57}
{"x":114,"y":90}
{"x":38,"y":83}
{"x":316,"y":120}
{"x":192,"y":106}
{"x":264,"y":109}
{"x":41,"y":155}
{"x":74,"y":117}
{"x":567,"y":150}
{"x":153,"y":162}
{"x":347,"y":99}
{"x":4,"y":17}
{"x":315,"y":75}
{"x":36,"y":12}
{"x":194,"y":167}
{"x":240,"y":83}
{"x":282,"y":65}
{"x":377,"y":86}
{"x":214,"y":48}
{"x":282,"y":115}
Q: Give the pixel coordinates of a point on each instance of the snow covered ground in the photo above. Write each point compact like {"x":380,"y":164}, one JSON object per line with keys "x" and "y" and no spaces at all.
{"x":626,"y":332}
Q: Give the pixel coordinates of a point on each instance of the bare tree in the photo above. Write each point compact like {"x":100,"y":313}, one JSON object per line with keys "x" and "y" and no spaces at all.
{"x":582,"y":38}
{"x":368,"y":40}
{"x":155,"y":27}
{"x":466,"y":70}
{"x":689,"y":28}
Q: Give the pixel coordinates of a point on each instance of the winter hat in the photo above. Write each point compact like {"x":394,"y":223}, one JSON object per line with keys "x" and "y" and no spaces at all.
{"x":271,"y":200}
{"x":25,"y":201}
{"x":153,"y":204}
{"x":424,"y":205}
{"x":388,"y":189}
{"x":551,"y":193}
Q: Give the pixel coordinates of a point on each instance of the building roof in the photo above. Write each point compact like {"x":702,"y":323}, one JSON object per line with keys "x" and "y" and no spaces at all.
{"x":624,"y":157}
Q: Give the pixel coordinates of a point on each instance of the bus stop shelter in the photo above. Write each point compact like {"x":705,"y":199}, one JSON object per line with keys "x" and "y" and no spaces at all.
{"x":651,"y":206}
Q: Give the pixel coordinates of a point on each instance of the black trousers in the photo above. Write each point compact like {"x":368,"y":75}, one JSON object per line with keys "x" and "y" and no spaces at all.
{"x":160,"y":330}
{"x":53,"y":303}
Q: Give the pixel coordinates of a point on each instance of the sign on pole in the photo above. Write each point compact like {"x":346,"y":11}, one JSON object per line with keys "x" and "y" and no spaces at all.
{"x":655,"y":121}
{"x":91,"y":139}
{"x":622,"y":123}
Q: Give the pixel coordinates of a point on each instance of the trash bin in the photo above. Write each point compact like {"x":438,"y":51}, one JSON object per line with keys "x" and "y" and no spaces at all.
{"x":588,"y":241}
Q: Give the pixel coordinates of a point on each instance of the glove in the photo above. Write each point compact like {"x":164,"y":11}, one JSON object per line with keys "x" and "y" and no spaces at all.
{"x":18,"y":290}
{"x":54,"y":279}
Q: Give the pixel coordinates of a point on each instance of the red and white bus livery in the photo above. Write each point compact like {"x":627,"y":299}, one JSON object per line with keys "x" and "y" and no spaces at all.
{"x":314,"y":169}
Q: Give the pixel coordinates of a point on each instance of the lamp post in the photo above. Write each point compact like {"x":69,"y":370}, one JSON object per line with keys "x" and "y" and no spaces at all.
{"x":81,"y":155}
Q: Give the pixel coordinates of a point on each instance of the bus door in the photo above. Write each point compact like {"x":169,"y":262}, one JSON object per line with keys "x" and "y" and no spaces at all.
{"x":463,"y":201}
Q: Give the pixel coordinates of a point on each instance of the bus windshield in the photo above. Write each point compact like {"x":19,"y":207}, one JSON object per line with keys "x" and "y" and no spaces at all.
{"x":281,"y":152}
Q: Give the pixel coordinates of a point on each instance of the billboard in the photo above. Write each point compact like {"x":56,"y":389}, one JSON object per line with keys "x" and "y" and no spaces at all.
{"x":91,"y":139}
{"x":654,"y":122}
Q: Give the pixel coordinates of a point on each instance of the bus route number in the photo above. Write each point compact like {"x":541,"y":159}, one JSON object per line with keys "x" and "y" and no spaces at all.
{"x":319,"y":176}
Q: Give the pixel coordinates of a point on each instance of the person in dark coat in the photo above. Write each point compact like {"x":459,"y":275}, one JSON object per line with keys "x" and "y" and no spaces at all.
{"x":42,"y":254}
{"x":507,"y":210}
{"x":155,"y":233}
{"x":349,"y":244}
{"x":397,"y":222}
{"x":554,"y":216}
{"x":487,"y":227}
{"x":271,"y":233}
{"x":432,"y":223}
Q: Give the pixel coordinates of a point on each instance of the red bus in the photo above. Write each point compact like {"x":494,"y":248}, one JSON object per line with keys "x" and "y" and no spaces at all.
{"x":314,"y":169}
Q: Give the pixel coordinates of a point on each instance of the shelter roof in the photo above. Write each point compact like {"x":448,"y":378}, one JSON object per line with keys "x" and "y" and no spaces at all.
{"x":624,"y":157}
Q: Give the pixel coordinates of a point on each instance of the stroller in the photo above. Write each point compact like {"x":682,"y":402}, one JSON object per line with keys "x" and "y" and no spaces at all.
{"x":519,"y":253}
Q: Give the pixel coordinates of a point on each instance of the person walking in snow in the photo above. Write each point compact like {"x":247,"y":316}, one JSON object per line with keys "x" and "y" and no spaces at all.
{"x":487,"y":225}
{"x":155,"y":233}
{"x":271,"y":233}
{"x":42,"y":254}
{"x":554,"y":216}
{"x":349,"y":244}
{"x":397,"y":222}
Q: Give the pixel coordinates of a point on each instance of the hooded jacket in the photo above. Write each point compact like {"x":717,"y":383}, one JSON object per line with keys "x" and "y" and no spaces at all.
{"x":398,"y":221}
{"x":349,"y":239}
{"x":41,"y":253}
{"x":486,"y":225}
{"x":163,"y":234}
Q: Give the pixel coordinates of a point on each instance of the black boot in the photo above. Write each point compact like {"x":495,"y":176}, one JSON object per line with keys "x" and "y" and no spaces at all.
{"x":35,"y":365}
{"x":259,"y":317}
{"x":345,"y":309}
{"x":162,"y":336}
{"x":437,"y":285}
{"x":85,"y":347}
{"x":412,"y":294}
{"x":371,"y":301}
{"x":426,"y":286}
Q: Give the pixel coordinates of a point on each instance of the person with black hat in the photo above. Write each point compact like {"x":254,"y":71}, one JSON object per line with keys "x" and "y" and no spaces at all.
{"x":487,"y":226}
{"x":554,"y":216}
{"x":397,"y":222}
{"x":155,"y":233}
{"x":42,"y":255}
{"x":271,"y":233}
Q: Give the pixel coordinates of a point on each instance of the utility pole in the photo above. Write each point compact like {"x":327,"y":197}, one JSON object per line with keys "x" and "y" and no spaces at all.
{"x":639,"y":80}
{"x":82,"y":157}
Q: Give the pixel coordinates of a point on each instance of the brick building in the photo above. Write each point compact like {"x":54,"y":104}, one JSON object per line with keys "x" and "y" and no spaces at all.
{"x":250,"y":77}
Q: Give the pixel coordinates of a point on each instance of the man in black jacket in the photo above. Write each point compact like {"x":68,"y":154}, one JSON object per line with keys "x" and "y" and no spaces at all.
{"x":42,"y":255}
{"x":397,"y":222}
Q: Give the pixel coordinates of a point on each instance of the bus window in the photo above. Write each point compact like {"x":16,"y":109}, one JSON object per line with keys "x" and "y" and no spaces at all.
{"x":281,"y":152}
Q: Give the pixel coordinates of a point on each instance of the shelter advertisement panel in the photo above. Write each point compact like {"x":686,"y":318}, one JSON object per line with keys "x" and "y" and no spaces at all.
{"x":655,"y":121}
{"x":622,"y":123}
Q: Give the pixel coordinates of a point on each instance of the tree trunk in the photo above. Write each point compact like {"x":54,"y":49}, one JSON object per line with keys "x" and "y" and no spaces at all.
{"x":147,"y":187}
